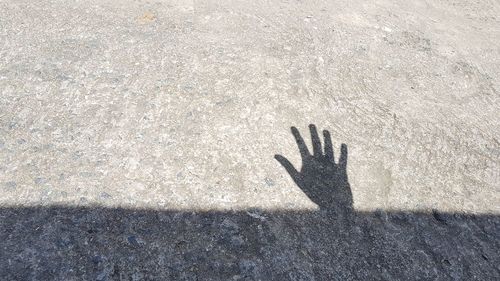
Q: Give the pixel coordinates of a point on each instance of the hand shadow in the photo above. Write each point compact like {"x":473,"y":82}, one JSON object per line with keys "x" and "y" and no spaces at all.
{"x":322,"y":180}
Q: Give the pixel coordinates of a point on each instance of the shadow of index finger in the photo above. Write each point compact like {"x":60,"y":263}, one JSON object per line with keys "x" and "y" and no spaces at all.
{"x":304,"y":152}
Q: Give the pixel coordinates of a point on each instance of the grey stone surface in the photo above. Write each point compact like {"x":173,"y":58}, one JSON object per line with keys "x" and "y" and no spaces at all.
{"x":116,"y":114}
{"x":59,"y":243}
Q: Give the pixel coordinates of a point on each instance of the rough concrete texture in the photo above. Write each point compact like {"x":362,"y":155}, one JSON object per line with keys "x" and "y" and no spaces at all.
{"x":183,"y":105}
{"x":159,"y":120}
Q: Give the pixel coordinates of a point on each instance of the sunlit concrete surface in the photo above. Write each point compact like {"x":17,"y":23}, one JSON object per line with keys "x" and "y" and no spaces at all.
{"x":182,"y":105}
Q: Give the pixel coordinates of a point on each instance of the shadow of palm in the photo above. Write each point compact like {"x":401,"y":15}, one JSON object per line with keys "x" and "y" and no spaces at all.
{"x":322,"y":179}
